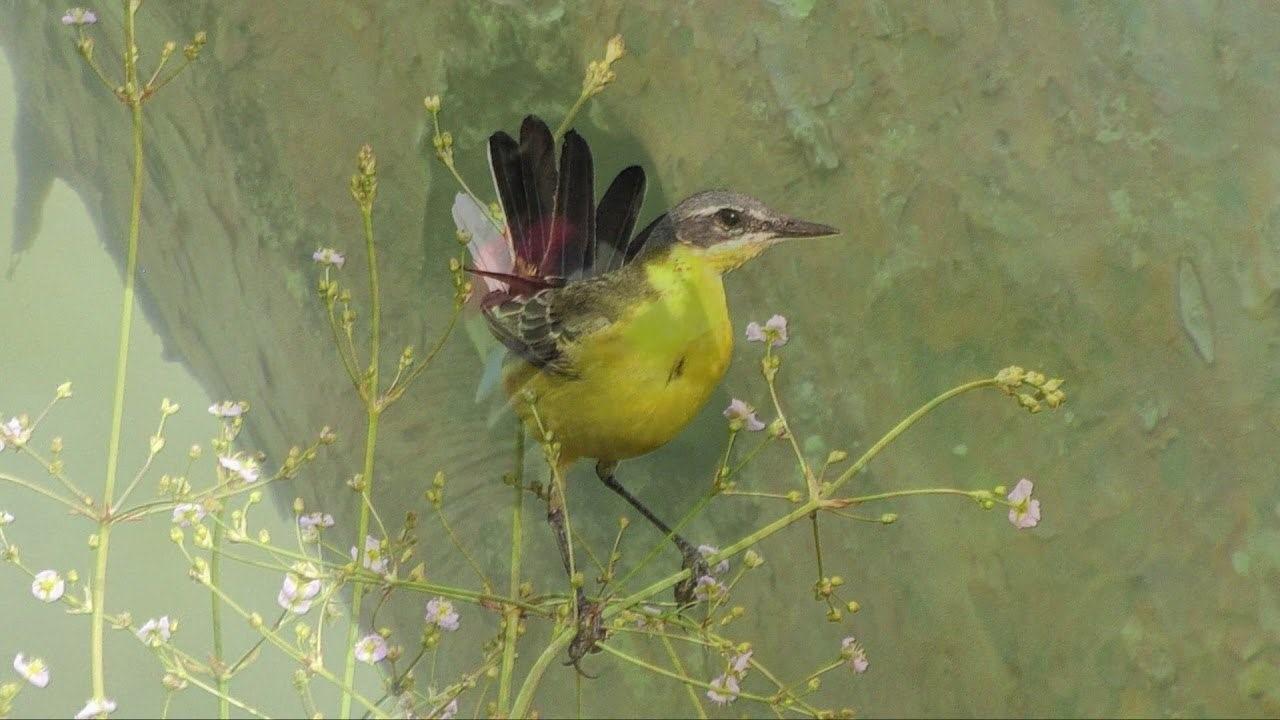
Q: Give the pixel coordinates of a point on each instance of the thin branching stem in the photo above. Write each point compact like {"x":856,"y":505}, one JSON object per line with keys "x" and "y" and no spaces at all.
{"x":512,"y":612}
{"x":97,"y":670}
{"x":373,"y":406}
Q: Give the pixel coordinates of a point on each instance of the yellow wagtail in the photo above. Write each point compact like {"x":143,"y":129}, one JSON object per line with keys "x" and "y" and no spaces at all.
{"x":616,"y":341}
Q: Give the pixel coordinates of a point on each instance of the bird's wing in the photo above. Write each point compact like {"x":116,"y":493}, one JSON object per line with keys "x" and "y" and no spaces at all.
{"x":529,"y":326}
{"x":544,"y":328}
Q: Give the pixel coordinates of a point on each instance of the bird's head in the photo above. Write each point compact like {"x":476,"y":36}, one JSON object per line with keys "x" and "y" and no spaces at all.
{"x":729,"y":228}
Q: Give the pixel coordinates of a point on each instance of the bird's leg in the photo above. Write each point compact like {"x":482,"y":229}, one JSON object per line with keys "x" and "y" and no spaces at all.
{"x":590,"y":629}
{"x":693,"y":560}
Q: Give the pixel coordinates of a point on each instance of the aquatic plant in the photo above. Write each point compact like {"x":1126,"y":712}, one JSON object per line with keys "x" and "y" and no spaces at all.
{"x":210,"y":504}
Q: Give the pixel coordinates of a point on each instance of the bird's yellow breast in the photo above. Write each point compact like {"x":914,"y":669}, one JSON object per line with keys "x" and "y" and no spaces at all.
{"x":642,"y":378}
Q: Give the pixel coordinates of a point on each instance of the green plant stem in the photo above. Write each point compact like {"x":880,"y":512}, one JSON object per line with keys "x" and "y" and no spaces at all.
{"x":524,"y":698}
{"x":684,"y":679}
{"x":902,"y":427}
{"x":222,"y":696}
{"x":679,"y":666}
{"x":71,"y":506}
{"x":97,"y":670}
{"x":810,"y":480}
{"x":223,"y":676}
{"x":512,"y":612}
{"x":573,"y":112}
{"x":909,"y":493}
{"x":373,"y":406}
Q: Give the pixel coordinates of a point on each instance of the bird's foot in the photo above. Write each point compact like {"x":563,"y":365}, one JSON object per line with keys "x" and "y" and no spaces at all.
{"x":697,"y":565}
{"x":590,"y":632}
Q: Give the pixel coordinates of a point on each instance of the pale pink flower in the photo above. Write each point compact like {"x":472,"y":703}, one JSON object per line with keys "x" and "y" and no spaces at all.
{"x":449,"y":711}
{"x":245,"y":468}
{"x":743,"y":414}
{"x":79,"y":16}
{"x":315,"y":520}
{"x":329,"y":256}
{"x":300,"y":587}
{"x":1025,"y":512}
{"x":155,"y":632}
{"x":774,"y":331}
{"x":371,"y":649}
{"x":228,"y":409}
{"x":96,"y":707}
{"x":33,"y":671}
{"x":374,"y":559}
{"x":13,"y":433}
{"x":440,"y":612}
{"x":724,"y":689}
{"x":708,"y":588}
{"x":188,"y":514}
{"x":707,"y":551}
{"x":852,"y":651}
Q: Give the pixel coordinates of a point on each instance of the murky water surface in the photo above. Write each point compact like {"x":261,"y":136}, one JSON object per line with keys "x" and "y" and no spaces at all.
{"x":1091,"y":190}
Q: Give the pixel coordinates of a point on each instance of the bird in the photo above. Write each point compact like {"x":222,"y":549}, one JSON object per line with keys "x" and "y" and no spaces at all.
{"x":615,"y":341}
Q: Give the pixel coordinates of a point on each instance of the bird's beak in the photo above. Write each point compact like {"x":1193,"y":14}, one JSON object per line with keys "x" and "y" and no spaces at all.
{"x":796,"y":228}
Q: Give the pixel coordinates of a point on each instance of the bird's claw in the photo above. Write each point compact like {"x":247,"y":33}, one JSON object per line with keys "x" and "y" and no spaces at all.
{"x":697,"y":565}
{"x":590,"y":633}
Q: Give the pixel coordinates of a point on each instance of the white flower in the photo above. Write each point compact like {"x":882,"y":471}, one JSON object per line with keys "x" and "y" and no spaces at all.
{"x":301,"y":586}
{"x":33,"y":670}
{"x":852,"y":651}
{"x":79,"y":16}
{"x":1024,"y":511}
{"x":373,"y":556}
{"x":13,"y":433}
{"x":707,"y":551}
{"x":371,"y":649}
{"x":48,"y":586}
{"x":95,"y":708}
{"x":440,"y":612}
{"x":739,"y":663}
{"x":449,"y":710}
{"x":774,"y":332}
{"x":742,"y":415}
{"x":329,"y":256}
{"x":724,"y":690}
{"x":188,"y":514}
{"x":315,"y":520}
{"x":5,"y":517}
{"x":246,"y":468}
{"x":708,"y":588}
{"x":228,"y":409}
{"x":154,"y":633}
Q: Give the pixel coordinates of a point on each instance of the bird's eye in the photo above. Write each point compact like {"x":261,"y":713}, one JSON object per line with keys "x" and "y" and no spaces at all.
{"x":729,"y":218}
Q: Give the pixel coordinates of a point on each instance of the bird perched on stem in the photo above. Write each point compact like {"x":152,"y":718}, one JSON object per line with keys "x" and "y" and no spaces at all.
{"x":616,"y":341}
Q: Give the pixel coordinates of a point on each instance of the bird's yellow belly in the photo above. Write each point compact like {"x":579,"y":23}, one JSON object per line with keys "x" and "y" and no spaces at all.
{"x":640,"y":382}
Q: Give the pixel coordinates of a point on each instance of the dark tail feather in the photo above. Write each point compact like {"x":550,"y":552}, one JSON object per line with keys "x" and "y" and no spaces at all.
{"x":574,"y":231}
{"x":538,"y":166}
{"x":508,"y":180}
{"x":617,"y":213}
{"x":524,"y":174}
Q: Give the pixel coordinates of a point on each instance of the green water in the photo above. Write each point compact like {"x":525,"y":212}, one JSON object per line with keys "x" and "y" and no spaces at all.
{"x":1088,"y":189}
